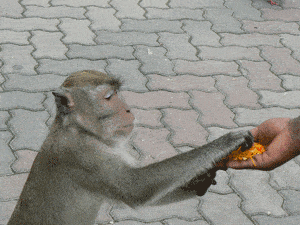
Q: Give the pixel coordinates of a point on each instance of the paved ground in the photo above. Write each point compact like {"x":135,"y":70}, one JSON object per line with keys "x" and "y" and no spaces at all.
{"x":193,"y":70}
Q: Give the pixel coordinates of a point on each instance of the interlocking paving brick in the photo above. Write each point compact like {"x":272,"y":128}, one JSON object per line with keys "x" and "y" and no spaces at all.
{"x":50,"y":107}
{"x":201,"y":33}
{"x":259,"y":76}
{"x":229,"y":53}
{"x":17,"y":59}
{"x":6,"y":157}
{"x":266,"y":200}
{"x":291,"y":4}
{"x":29,"y":129}
{"x":289,"y":99}
{"x":185,"y":128}
{"x":186,"y":209}
{"x":4,"y":116}
{"x":18,"y":99}
{"x":181,"y":83}
{"x":103,"y":19}
{"x":271,"y":27}
{"x":255,"y":117}
{"x":126,"y":38}
{"x":44,"y":3}
{"x":174,"y":14}
{"x":11,"y":186}
{"x":103,"y":216}
{"x":154,"y":3}
{"x":216,"y":208}
{"x":285,"y":15}
{"x":290,"y":82}
{"x":153,"y":144}
{"x":43,"y":82}
{"x":285,"y":176}
{"x":268,"y":220}
{"x":100,"y":52}
{"x":209,"y":67}
{"x":293,"y":43}
{"x":216,"y":132}
{"x":195,"y":3}
{"x":6,"y":209}
{"x":176,"y":221}
{"x":131,"y":222}
{"x":66,"y":67}
{"x":236,"y":91}
{"x":128,"y":72}
{"x":147,"y":117}
{"x":154,"y":60}
{"x":53,"y":49}
{"x":13,"y":37}
{"x":54,"y":12}
{"x":212,"y":109}
{"x":222,"y":20}
{"x":178,"y":46}
{"x":79,"y":3}
{"x":157,"y":99}
{"x":248,"y":40}
{"x":281,"y":60}
{"x":28,"y":24}
{"x":151,"y":26}
{"x":24,"y":161}
{"x":128,"y":9}
{"x":10,"y":8}
{"x":77,"y":31}
{"x":222,"y":180}
{"x":243,"y":9}
{"x":291,"y":201}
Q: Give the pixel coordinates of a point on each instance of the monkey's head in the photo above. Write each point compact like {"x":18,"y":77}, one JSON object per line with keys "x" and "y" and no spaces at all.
{"x":90,"y":100}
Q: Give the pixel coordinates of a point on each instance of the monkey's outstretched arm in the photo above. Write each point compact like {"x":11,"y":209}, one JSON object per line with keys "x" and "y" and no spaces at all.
{"x":150,"y":183}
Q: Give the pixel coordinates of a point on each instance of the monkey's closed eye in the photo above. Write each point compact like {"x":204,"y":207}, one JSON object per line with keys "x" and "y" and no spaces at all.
{"x":104,"y":117}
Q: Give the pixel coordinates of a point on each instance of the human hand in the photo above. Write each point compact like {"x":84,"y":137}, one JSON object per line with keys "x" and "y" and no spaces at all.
{"x":280,"y":147}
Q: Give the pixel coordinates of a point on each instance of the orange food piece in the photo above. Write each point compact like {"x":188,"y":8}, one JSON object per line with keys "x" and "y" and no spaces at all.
{"x":247,"y":154}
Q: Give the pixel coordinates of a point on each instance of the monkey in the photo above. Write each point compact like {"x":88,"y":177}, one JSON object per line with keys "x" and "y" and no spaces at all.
{"x":85,"y":159}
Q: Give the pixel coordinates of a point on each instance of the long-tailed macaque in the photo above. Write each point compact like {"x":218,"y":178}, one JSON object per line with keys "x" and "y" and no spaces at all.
{"x":85,"y":159}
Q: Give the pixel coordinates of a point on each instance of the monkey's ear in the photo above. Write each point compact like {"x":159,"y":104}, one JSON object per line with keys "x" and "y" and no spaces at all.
{"x":63,"y":100}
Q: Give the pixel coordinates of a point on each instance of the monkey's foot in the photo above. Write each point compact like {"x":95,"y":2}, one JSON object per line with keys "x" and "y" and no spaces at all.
{"x":272,"y":3}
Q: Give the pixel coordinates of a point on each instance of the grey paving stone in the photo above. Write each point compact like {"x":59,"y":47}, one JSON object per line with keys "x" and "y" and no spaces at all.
{"x":154,"y":60}
{"x":187,"y":209}
{"x":196,"y":4}
{"x":28,"y":24}
{"x":268,"y":220}
{"x":126,"y":38}
{"x":154,"y":3}
{"x":131,"y":222}
{"x":6,"y":209}
{"x":176,"y":221}
{"x":288,"y":99}
{"x":11,"y":186}
{"x":66,"y":67}
{"x":174,"y":14}
{"x":79,"y":3}
{"x":53,"y":49}
{"x":4,"y":116}
{"x":220,"y":208}
{"x":10,"y":8}
{"x":178,"y":46}
{"x":6,"y":156}
{"x":24,"y":161}
{"x":271,"y":27}
{"x":100,"y":52}
{"x":201,"y":33}
{"x":17,"y":59}
{"x":54,"y":12}
{"x":128,"y":9}
{"x":44,"y":3}
{"x":291,"y":4}
{"x":128,"y":71}
{"x":293,"y":43}
{"x":257,"y":194}
{"x":222,"y":180}
{"x":255,"y":117}
{"x":103,"y":19}
{"x":150,"y":118}
{"x":223,"y":21}
{"x":29,"y":129}
{"x":50,"y":106}
{"x":43,"y":82}
{"x":291,"y":201}
{"x":13,"y":37}
{"x":243,"y":10}
{"x":77,"y":31}
{"x":290,"y":82}
{"x":18,"y":99}
{"x":150,"y":26}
